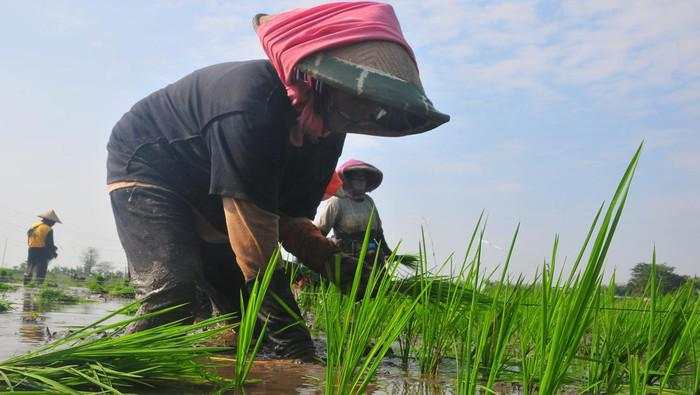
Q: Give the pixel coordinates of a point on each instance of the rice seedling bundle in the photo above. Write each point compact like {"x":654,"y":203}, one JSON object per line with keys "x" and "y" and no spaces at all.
{"x":103,"y":358}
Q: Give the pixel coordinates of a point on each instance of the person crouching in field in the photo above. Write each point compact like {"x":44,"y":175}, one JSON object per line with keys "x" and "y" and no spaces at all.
{"x":207,"y":175}
{"x":347,"y":213}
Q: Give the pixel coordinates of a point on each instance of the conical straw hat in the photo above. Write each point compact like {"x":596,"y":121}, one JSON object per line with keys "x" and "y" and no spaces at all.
{"x":380,"y":71}
{"x":50,"y":215}
{"x":374,"y":175}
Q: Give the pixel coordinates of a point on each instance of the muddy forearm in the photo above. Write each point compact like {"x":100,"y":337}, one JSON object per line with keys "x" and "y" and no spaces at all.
{"x":253,"y":234}
{"x":304,"y":240}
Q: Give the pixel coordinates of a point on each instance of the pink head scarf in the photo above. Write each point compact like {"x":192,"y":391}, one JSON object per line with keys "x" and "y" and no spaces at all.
{"x":291,"y":36}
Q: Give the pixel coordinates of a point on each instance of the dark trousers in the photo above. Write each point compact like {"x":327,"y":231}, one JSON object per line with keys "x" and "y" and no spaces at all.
{"x":170,"y":264}
{"x":37,"y":263}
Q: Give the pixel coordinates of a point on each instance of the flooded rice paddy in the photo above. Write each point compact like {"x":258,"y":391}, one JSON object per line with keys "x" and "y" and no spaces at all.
{"x":28,"y":324}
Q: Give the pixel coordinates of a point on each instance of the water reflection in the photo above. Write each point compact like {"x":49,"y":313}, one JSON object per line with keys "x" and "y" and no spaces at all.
{"x":29,"y":324}
{"x":33,"y":327}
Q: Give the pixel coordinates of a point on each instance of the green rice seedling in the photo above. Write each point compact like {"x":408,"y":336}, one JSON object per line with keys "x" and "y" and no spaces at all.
{"x":309,"y":302}
{"x":132,"y":309}
{"x":103,"y":358}
{"x":4,"y":304}
{"x":360,"y":327}
{"x":486,"y":365}
{"x":359,"y":334}
{"x":438,"y":322}
{"x":626,"y":340}
{"x":526,"y":354}
{"x":437,"y":293}
{"x":442,"y":307}
{"x":684,"y":348}
{"x":409,"y":260}
{"x":469,"y":352}
{"x":121,"y":288}
{"x":573,"y":315}
{"x":48,"y":297}
{"x":4,"y":288}
{"x":406,"y":341}
{"x":502,"y":328}
{"x":483,"y":350}
{"x":670,"y":327}
{"x":246,"y":350}
{"x":294,"y":270}
{"x":96,"y":284}
{"x":5,"y":275}
{"x":608,"y":345}
{"x":636,"y":382}
{"x":504,"y":318}
{"x":542,"y":296}
{"x":407,"y":338}
{"x":696,"y":357}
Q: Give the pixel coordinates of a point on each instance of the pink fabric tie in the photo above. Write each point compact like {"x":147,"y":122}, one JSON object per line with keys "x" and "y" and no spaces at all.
{"x":289,"y":37}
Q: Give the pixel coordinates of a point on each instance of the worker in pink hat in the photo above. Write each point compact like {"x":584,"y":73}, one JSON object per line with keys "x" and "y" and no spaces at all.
{"x":347,"y":213}
{"x":207,"y":175}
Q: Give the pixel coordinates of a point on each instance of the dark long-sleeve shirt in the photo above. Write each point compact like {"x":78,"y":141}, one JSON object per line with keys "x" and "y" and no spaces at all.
{"x":223,"y":131}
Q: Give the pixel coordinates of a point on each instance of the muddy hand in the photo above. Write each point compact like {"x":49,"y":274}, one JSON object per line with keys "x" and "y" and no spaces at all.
{"x":302,"y":238}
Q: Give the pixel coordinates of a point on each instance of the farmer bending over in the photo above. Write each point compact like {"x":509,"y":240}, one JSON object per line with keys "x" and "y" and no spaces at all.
{"x":208,"y":174}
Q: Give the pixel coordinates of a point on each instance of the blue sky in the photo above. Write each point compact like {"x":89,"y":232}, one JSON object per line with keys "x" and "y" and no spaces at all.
{"x":548,"y":102}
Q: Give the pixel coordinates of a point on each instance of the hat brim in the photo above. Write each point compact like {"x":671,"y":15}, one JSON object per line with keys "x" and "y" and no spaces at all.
{"x":376,"y":86}
{"x":49,"y":218}
{"x":374,"y":175}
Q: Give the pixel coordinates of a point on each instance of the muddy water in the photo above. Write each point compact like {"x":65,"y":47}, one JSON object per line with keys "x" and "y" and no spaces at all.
{"x":26,"y":326}
{"x":287,"y":377}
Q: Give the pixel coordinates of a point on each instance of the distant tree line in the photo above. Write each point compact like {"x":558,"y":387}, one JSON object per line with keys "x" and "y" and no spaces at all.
{"x":667,"y":279}
{"x":90,"y":264}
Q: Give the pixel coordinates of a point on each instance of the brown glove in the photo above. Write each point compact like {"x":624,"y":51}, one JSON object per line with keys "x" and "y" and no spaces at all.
{"x":302,"y":238}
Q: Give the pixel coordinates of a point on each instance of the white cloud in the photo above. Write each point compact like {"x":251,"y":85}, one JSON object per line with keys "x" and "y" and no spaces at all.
{"x":629,"y":56}
{"x":626,"y":57}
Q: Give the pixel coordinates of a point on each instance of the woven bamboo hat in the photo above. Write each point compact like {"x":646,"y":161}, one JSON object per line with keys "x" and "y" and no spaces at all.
{"x":373,"y":174}
{"x":50,"y":215}
{"x":382,"y":72}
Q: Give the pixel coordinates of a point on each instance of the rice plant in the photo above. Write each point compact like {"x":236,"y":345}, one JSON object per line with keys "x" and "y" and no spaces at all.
{"x":102,"y":358}
{"x":573,"y":314}
{"x":7,"y":287}
{"x":360,"y":327}
{"x":4,"y":288}
{"x":47,"y":297}
{"x":558,"y":332}
{"x":665,"y":339}
{"x":442,"y":307}
{"x":246,"y":349}
{"x":504,"y":319}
